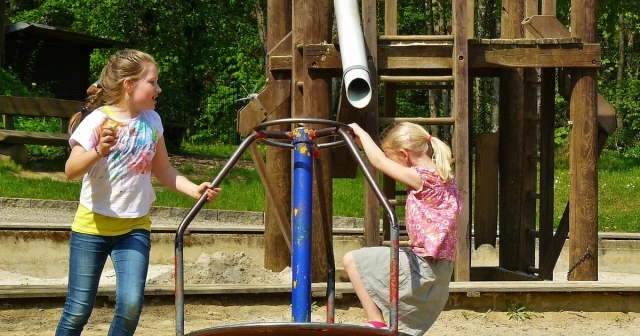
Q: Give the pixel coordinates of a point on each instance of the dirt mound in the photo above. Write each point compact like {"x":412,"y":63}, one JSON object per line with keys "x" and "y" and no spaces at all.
{"x":222,"y":268}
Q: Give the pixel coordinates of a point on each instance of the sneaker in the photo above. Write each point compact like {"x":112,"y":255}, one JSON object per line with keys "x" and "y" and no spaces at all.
{"x":377,"y":325}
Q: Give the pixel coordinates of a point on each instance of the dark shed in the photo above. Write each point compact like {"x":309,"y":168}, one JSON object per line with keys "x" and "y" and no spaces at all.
{"x":55,"y":58}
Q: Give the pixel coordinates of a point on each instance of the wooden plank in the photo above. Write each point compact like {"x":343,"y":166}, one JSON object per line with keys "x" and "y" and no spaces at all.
{"x":270,"y":98}
{"x":421,"y":38}
{"x":499,"y":274}
{"x":438,"y":57}
{"x":415,"y":56}
{"x":39,"y":107}
{"x":511,"y":144}
{"x":547,"y":264}
{"x":276,"y":174}
{"x":391,"y":17}
{"x":388,"y":183}
{"x":371,"y":204}
{"x":533,"y":56}
{"x":461,"y":143}
{"x":34,"y":138}
{"x":283,"y":47}
{"x":548,"y":26}
{"x":545,"y":26}
{"x":51,"y":291}
{"x":549,"y":7}
{"x":547,"y":158}
{"x":485,"y":226}
{"x":583,"y":190}
{"x":316,"y":104}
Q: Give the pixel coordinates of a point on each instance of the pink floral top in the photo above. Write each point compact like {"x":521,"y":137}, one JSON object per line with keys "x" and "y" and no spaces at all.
{"x":431,"y":216}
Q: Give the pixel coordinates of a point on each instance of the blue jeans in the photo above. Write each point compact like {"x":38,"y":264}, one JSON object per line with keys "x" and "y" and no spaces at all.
{"x":87,"y":255}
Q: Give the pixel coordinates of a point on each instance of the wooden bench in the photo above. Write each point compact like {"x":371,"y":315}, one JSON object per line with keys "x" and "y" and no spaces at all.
{"x":12,"y":142}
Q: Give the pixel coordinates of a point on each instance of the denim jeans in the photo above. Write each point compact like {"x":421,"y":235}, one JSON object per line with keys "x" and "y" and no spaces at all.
{"x":87,"y":255}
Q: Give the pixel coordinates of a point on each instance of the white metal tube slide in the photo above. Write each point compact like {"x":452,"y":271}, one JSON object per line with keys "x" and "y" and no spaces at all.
{"x":355,"y":72}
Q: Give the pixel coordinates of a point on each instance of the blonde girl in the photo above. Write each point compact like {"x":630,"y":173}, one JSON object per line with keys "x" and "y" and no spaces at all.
{"x":412,"y":156}
{"x":117,"y":144}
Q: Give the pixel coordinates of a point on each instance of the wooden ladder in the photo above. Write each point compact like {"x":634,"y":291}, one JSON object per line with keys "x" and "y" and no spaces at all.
{"x":458,"y":82}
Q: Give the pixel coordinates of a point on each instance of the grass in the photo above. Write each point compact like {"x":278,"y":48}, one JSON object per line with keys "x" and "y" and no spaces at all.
{"x":618,"y":198}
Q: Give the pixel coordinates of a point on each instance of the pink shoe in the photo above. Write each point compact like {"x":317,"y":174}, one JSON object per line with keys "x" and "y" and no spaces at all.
{"x":377,"y":325}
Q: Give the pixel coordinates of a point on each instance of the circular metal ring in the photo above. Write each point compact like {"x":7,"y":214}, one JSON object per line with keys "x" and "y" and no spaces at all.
{"x":331,"y":123}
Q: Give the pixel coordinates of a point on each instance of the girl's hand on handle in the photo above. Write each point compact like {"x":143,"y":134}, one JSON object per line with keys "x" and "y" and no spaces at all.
{"x":212,"y":193}
{"x":356,"y":133}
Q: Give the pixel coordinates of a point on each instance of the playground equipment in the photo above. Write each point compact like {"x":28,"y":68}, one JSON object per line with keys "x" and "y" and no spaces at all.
{"x":302,"y":141}
{"x":533,"y":50}
{"x":356,"y":77}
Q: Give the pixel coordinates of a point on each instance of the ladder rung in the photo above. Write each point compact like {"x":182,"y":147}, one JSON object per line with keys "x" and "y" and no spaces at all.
{"x":394,"y":202}
{"x":425,"y":87}
{"x":416,"y":38}
{"x":400,"y":193}
{"x":533,"y":270}
{"x":535,"y":120}
{"x":402,"y":243}
{"x":400,"y":79}
{"x":419,"y":121}
{"x":534,"y":195}
{"x":532,"y":232}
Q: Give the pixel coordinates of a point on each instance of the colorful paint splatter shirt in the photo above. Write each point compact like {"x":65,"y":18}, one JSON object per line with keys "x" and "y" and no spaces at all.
{"x":119,"y":185}
{"x":431,"y":216}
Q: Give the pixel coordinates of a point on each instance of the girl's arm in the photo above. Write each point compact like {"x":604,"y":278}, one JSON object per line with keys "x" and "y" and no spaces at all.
{"x":81,"y":160}
{"x":173,"y":179}
{"x":376,"y":156}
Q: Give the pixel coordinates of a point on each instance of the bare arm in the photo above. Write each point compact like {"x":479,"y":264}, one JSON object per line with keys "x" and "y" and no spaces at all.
{"x":173,"y":179}
{"x":81,"y":160}
{"x":389,"y":167}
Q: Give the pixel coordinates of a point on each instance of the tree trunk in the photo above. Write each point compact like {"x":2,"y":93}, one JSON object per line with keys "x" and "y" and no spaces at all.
{"x":262,"y":25}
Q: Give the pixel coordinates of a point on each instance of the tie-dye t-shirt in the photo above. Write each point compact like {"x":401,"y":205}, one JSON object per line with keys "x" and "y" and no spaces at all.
{"x":431,"y":215}
{"x":119,"y":185}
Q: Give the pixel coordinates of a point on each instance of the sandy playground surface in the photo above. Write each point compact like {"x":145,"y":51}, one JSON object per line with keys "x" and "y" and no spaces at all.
{"x":34,"y":317}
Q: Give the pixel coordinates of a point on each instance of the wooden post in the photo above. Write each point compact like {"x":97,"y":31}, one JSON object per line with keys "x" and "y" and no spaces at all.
{"x":529,"y":165}
{"x":583,"y":197}
{"x":511,"y":142}
{"x":390,"y":105}
{"x":371,"y":204}
{"x":547,"y":148}
{"x":278,"y":171}
{"x":317,"y":103}
{"x":549,"y":7}
{"x":462,"y":271}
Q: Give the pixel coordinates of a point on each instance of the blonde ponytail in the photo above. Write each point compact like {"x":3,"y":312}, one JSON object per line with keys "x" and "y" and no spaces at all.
{"x":95,"y":101}
{"x":441,"y":157}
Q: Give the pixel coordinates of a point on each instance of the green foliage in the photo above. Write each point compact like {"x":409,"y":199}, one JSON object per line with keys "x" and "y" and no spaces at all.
{"x":517,"y":312}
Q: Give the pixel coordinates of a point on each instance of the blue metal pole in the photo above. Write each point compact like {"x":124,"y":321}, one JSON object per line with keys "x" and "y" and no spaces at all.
{"x":302,"y":212}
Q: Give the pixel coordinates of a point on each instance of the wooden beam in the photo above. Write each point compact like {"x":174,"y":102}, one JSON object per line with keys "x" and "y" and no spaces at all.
{"x":276,"y":176}
{"x":343,"y":163}
{"x":391,"y":17}
{"x":39,"y":107}
{"x":282,"y":48}
{"x":316,"y":99}
{"x":547,"y":158}
{"x":270,"y":98}
{"x":539,"y":53}
{"x":493,"y":273}
{"x":371,"y":203}
{"x":545,"y":26}
{"x":549,"y":7}
{"x":529,"y":172}
{"x":485,"y":225}
{"x":548,"y":263}
{"x":511,"y":144}
{"x":583,"y":195}
{"x":279,"y":206}
{"x":461,"y":136}
{"x":388,"y":183}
